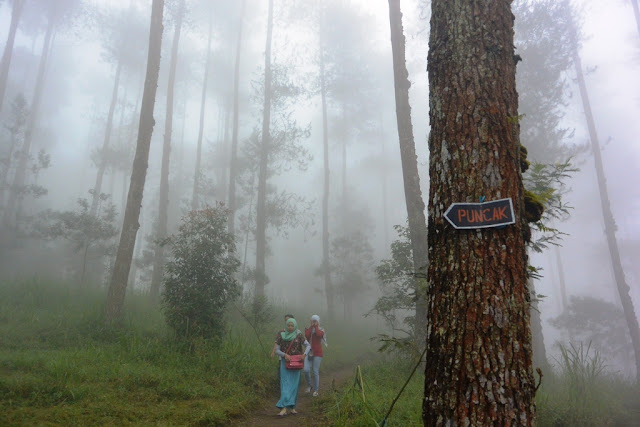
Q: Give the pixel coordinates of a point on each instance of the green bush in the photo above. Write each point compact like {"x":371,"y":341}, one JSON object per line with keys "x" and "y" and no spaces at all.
{"x":199,"y":280}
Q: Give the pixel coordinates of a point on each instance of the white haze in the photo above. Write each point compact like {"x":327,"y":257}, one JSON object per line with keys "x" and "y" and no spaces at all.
{"x":612,"y":48}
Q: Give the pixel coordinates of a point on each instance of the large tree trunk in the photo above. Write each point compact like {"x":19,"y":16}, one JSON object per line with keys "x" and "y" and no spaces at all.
{"x":410,"y":175}
{"x":8,"y":47}
{"x":21,"y":169}
{"x":478,"y":369}
{"x":163,"y":207}
{"x":261,"y":215}
{"x":196,"y":175}
{"x":97,"y":188}
{"x":609,"y":221}
{"x":233,"y":162}
{"x":122,"y":266}
{"x":326,"y":262}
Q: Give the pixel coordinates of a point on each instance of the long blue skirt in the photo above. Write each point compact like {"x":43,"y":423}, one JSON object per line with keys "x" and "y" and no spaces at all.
{"x":289,"y":383}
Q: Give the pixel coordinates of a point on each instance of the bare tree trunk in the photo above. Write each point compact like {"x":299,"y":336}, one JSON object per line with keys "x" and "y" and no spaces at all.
{"x":221,"y":181}
{"x":479,"y":340}
{"x":561,"y":279}
{"x":122,"y":266}
{"x":196,"y":175}
{"x":609,"y":221}
{"x":343,"y":208}
{"x":233,"y":162}
{"x":21,"y":169}
{"x":383,"y":183}
{"x":248,"y":232}
{"x":326,"y":262}
{"x":636,"y":13}
{"x":84,"y":264}
{"x":539,"y":349}
{"x":163,"y":208}
{"x":130,"y":137}
{"x":410,"y":174}
{"x":261,"y":217}
{"x":16,"y":11}
{"x":97,"y":188}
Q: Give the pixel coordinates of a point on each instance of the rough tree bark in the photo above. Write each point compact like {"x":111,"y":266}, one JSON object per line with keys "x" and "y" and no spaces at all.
{"x":233,"y":161}
{"x":16,"y":12}
{"x":122,"y":266}
{"x":609,"y":221}
{"x":163,"y":207}
{"x":261,"y":217}
{"x":196,"y":174}
{"x":410,"y":175}
{"x":479,"y":351}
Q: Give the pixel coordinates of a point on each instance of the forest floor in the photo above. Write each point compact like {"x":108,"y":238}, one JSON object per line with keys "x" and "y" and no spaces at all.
{"x":311,"y":410}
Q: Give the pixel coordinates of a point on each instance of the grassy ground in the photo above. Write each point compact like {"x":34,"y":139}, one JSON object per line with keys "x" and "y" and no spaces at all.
{"x":581,"y":393}
{"x":368,"y":395}
{"x":60,"y":365}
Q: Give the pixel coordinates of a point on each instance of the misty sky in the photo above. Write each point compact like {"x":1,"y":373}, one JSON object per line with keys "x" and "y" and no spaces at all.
{"x":611,"y":52}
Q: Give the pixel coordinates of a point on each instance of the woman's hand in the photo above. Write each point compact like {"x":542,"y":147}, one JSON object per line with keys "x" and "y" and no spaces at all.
{"x":287,"y":357}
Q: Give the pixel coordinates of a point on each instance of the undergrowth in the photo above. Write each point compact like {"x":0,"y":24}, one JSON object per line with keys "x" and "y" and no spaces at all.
{"x":60,"y":364}
{"x":582,"y":392}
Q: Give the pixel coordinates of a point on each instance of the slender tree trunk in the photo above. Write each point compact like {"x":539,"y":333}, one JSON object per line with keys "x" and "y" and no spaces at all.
{"x":129,"y":142}
{"x":233,"y":162}
{"x":410,"y":174}
{"x":97,"y":188}
{"x":609,"y":221}
{"x":636,"y":13}
{"x":84,"y":265}
{"x":122,"y":265}
{"x":16,"y":12}
{"x":478,"y":341}
{"x":221,"y":180}
{"x":561,"y":279}
{"x":539,"y":349}
{"x":21,"y":169}
{"x":261,"y":217}
{"x":344,"y":210}
{"x":163,"y":208}
{"x":326,"y":263}
{"x":383,"y":183}
{"x":196,"y":175}
{"x":5,"y":171}
{"x":246,"y":234}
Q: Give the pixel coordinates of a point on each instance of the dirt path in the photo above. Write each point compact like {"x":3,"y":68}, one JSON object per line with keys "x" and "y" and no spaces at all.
{"x":310,"y":409}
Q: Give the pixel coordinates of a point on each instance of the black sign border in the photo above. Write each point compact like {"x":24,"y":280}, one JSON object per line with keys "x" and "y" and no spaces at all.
{"x":502,"y":224}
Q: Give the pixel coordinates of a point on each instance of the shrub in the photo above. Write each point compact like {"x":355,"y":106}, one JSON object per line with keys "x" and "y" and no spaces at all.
{"x":199,"y":281}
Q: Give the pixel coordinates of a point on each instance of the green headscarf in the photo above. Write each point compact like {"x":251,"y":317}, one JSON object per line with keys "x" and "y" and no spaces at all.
{"x":289,"y":336}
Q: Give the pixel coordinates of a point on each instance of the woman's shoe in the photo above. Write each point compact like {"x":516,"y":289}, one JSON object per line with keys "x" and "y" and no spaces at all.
{"x":293,"y":412}
{"x":315,"y":393}
{"x":283,"y":412}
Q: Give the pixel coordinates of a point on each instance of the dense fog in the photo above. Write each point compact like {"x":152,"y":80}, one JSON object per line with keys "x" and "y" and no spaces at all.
{"x":93,"y":41}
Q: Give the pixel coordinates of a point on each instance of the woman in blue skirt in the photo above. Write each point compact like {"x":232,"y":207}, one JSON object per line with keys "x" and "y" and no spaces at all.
{"x":290,"y":342}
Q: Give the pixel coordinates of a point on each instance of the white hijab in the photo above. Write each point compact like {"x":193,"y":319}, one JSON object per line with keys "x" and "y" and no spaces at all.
{"x":324,"y":338}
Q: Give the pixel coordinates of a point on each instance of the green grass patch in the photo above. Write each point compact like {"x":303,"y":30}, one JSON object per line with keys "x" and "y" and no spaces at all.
{"x":355,"y":405}
{"x":60,"y":364}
